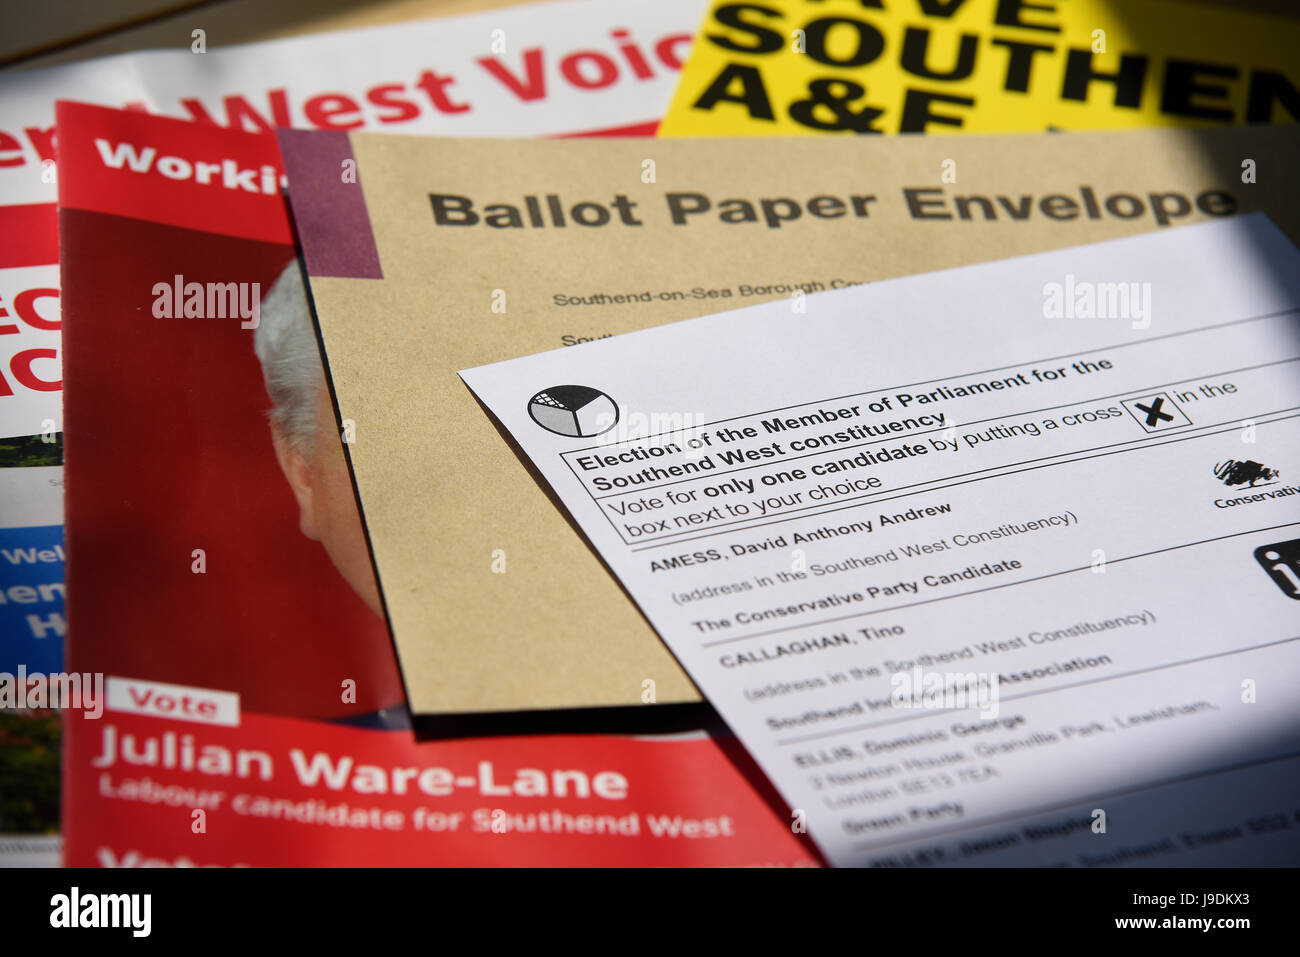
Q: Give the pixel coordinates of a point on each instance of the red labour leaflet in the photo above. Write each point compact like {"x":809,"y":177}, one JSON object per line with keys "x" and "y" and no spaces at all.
{"x":249,"y":704}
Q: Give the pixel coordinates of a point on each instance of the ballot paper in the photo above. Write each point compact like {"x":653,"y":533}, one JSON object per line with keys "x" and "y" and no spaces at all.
{"x":992,"y":565}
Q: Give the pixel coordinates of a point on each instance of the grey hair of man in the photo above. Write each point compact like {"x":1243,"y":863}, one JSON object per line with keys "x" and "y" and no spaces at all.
{"x":285,"y":342}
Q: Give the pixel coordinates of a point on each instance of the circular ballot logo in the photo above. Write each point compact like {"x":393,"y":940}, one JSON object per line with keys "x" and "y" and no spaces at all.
{"x":575,"y":410}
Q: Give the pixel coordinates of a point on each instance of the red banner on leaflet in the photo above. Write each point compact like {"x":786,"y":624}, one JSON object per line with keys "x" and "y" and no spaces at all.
{"x":286,"y":792}
{"x":170,"y":171}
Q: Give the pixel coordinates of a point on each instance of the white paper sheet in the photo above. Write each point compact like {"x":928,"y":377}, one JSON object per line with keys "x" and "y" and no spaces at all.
{"x":949,"y":631}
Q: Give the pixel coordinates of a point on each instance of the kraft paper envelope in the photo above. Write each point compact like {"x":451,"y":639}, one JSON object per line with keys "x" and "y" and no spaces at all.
{"x":426,"y":256}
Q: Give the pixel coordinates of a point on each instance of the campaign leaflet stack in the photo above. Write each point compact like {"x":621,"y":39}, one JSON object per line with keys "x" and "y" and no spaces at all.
{"x":247,"y":680}
{"x":577,"y":67}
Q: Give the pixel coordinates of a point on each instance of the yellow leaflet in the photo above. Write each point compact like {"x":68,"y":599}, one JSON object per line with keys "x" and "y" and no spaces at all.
{"x":887,"y":66}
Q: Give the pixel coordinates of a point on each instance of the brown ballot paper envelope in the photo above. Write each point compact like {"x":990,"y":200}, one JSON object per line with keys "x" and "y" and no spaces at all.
{"x":426,"y":256}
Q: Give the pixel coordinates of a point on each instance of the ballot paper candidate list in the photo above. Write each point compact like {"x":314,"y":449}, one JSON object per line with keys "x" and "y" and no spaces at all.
{"x":976,"y":578}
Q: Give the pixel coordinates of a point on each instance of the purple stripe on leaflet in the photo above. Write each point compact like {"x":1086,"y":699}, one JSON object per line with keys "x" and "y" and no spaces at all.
{"x":332,"y":223}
